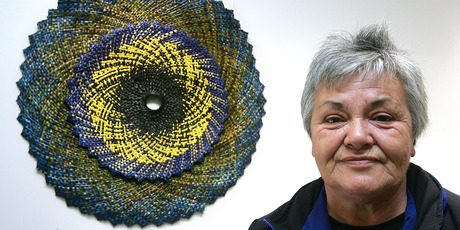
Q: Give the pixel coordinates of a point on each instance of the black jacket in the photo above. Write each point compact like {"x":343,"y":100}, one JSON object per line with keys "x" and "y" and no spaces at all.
{"x":425,"y":189}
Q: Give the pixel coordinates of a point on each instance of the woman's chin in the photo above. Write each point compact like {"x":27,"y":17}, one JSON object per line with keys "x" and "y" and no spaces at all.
{"x":363,"y":186}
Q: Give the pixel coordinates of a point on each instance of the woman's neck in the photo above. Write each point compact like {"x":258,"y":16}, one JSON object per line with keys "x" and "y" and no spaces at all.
{"x":366,"y":210}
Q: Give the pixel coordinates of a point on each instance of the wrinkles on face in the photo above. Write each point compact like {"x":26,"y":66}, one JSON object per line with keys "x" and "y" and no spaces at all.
{"x":362,"y":133}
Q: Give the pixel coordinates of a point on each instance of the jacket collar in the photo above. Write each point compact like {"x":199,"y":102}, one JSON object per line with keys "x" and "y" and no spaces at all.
{"x":430,"y":198}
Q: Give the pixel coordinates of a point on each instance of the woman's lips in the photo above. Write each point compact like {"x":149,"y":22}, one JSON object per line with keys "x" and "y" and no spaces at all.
{"x":359,"y":161}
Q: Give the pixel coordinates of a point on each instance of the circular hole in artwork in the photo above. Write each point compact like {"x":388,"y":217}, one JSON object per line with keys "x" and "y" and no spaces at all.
{"x":153,"y":102}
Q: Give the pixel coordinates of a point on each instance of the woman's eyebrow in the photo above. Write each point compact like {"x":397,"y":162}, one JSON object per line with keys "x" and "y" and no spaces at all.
{"x":380,"y":102}
{"x":333,"y":103}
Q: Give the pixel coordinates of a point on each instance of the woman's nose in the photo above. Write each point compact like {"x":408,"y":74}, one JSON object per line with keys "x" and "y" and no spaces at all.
{"x":358,"y":134}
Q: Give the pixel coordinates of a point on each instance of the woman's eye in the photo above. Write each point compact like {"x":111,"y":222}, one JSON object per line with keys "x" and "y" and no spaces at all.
{"x":332,"y":120}
{"x":383,"y":118}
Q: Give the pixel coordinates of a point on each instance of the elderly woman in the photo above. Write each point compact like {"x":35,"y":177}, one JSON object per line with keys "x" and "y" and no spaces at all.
{"x":364,"y":105}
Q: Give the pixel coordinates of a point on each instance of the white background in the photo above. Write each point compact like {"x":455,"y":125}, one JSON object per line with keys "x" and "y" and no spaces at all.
{"x":285,"y":35}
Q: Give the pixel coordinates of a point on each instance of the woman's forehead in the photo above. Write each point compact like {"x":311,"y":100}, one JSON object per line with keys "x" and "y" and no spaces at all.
{"x":339,"y":81}
{"x":357,"y":89}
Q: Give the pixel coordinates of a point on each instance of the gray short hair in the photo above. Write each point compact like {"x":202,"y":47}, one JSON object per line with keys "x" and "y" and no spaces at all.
{"x":369,"y":52}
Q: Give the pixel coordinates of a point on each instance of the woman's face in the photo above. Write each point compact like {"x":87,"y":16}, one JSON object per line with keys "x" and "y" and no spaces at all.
{"x":362,"y":135}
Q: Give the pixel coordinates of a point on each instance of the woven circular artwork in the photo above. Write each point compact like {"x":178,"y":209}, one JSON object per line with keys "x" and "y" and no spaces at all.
{"x":91,"y":74}
{"x":109,"y":93}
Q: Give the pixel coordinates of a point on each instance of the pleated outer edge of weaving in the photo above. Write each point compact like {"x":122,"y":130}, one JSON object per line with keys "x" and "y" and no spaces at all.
{"x":62,"y":109}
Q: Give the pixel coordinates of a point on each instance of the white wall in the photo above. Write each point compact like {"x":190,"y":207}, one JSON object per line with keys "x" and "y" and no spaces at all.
{"x":285,"y":35}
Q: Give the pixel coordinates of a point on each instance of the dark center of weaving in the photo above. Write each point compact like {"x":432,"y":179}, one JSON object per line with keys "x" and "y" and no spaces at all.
{"x":152,"y":100}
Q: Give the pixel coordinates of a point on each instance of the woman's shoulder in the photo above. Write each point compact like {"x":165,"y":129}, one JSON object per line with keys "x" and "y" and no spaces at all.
{"x":294,"y":213}
{"x":452,"y":212}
